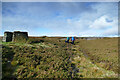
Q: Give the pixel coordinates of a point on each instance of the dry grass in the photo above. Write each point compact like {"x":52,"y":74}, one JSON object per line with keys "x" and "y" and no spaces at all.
{"x":103,"y":52}
{"x":46,"y":57}
{"x":36,"y":59}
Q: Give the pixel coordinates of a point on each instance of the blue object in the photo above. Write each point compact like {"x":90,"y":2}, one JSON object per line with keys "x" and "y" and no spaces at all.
{"x":68,"y":38}
{"x":72,"y":38}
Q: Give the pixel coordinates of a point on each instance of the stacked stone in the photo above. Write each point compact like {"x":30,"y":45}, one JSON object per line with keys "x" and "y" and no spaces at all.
{"x":7,"y":36}
{"x":15,"y":36}
{"x":20,"y":36}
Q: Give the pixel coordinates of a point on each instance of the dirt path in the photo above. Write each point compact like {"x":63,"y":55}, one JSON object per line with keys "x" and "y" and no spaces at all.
{"x":74,"y":68}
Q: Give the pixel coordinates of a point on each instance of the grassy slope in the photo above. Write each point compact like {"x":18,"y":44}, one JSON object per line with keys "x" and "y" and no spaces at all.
{"x":97,"y":58}
{"x":48,"y":58}
{"x":37,"y":60}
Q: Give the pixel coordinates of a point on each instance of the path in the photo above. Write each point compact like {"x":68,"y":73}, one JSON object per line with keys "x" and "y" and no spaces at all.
{"x":87,"y":69}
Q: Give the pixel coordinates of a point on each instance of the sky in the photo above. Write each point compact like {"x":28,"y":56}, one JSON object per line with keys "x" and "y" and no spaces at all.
{"x":82,"y":19}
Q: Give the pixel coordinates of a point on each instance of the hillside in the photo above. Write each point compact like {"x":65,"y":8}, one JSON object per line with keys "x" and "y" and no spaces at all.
{"x":97,"y":58}
{"x":53,"y":58}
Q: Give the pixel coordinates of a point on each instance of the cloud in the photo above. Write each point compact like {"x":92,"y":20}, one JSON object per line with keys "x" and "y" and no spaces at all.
{"x":101,"y":23}
{"x":60,"y":0}
{"x":48,"y":15}
{"x":63,"y":18}
{"x":111,"y":31}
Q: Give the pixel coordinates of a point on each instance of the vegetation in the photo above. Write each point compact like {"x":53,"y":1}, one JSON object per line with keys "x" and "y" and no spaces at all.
{"x":47,"y":57}
{"x":37,"y":60}
{"x":0,"y":59}
{"x":97,"y":58}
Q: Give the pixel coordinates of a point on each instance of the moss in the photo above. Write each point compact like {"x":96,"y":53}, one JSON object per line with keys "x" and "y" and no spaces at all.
{"x":14,"y":63}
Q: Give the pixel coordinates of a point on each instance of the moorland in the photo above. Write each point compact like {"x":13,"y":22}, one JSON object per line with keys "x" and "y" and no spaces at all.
{"x":47,"y":57}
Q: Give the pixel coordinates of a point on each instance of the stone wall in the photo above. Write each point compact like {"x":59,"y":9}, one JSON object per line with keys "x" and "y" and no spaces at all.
{"x":15,"y":36}
{"x":20,"y":36}
{"x":7,"y":36}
